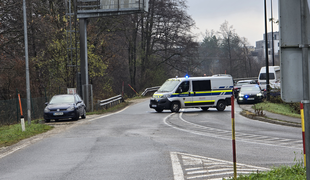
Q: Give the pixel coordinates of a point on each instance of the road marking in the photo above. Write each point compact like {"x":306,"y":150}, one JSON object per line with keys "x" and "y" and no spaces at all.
{"x":186,"y":126}
{"x":108,"y":115}
{"x":176,"y":166}
{"x":187,"y":166}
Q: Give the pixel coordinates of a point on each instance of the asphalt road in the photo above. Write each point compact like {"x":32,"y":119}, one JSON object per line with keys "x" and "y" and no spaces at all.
{"x":138,"y":143}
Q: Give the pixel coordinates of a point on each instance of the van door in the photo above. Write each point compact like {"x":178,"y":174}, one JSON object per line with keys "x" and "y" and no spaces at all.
{"x":202,"y":94}
{"x":182,"y":93}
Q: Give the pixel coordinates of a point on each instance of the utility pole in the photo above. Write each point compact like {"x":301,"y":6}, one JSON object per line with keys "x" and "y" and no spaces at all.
{"x":27,"y":65}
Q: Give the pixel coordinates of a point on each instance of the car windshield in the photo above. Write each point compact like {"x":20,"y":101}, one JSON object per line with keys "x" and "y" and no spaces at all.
{"x":169,"y":85}
{"x":250,"y":88}
{"x":62,"y":100}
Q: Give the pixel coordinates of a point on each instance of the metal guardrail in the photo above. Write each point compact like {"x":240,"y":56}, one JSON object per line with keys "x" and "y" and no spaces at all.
{"x":111,"y":101}
{"x":149,"y":90}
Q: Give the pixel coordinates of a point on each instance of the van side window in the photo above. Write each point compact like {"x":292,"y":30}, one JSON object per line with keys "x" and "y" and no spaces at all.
{"x":185,"y":86}
{"x":202,"y":85}
{"x":263,"y":76}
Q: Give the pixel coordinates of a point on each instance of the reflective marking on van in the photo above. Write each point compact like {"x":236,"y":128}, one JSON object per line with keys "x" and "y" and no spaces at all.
{"x":186,"y":102}
{"x":185,"y":94}
{"x":203,"y":93}
{"x":222,"y":91}
{"x":203,"y":101}
{"x":157,"y":95}
{"x":226,"y":87}
{"x":194,"y":103}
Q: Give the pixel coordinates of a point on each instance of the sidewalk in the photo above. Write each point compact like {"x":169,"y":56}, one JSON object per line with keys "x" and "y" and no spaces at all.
{"x":270,"y":117}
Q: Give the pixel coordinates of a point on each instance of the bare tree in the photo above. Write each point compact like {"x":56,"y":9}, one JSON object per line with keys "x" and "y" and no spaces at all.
{"x":226,"y":52}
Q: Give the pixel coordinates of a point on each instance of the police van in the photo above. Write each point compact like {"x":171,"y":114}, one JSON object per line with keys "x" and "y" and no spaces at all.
{"x":192,"y":92}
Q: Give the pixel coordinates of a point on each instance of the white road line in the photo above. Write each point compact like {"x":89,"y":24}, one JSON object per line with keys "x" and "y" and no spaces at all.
{"x":108,"y":115}
{"x":176,"y":166}
{"x":224,"y":134}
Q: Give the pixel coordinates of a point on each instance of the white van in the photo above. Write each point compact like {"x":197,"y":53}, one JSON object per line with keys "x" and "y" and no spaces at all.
{"x":193,"y":92}
{"x":274,"y":77}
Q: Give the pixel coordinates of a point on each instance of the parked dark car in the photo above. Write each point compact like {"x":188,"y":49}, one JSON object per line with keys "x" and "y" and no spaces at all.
{"x":238,"y":85}
{"x":65,"y":106}
{"x":250,"y":94}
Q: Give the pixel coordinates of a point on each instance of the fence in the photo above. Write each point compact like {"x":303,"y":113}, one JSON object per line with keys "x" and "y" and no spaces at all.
{"x":10,"y":111}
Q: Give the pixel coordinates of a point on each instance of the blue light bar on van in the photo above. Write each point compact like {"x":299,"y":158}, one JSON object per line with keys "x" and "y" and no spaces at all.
{"x":186,"y":77}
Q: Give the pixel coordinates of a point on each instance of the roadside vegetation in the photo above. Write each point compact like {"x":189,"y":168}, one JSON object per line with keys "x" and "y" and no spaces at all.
{"x":276,"y":105}
{"x":11,"y":134}
{"x":295,"y":172}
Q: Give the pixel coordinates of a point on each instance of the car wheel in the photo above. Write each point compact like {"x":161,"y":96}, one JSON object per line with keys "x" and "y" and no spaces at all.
{"x":205,"y":108}
{"x":84,"y":114}
{"x":220,"y":106}
{"x":47,"y":120}
{"x":76,"y":117}
{"x":175,"y":107}
{"x":159,"y":110}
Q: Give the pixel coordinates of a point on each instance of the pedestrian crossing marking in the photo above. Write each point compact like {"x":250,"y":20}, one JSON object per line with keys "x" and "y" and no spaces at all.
{"x":187,"y":166}
{"x":178,"y":122}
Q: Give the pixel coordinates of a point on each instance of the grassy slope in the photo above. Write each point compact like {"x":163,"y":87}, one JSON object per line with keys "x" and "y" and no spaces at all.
{"x":279,"y":108}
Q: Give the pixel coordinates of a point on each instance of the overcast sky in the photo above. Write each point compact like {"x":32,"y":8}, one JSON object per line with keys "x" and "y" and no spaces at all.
{"x":246,"y":16}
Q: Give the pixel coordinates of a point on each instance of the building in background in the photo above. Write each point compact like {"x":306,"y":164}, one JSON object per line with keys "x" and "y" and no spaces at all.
{"x":260,"y":45}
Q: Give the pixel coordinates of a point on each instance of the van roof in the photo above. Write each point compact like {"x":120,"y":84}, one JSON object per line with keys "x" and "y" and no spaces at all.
{"x":275,"y":68}
{"x":200,"y":78}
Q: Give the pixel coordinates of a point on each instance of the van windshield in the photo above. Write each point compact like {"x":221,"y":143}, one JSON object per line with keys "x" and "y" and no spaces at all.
{"x":263,"y":76}
{"x":168,"y":86}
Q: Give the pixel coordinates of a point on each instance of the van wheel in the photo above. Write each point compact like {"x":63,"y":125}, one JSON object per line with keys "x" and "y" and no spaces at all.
{"x":175,"y":107}
{"x":205,"y":108}
{"x":159,"y":110}
{"x":221,"y":105}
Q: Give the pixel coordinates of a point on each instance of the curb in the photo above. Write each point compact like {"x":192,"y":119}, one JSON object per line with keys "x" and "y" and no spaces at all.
{"x":251,"y":115}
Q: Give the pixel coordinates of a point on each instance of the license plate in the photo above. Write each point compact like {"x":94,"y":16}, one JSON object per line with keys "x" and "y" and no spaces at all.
{"x":58,"y":113}
{"x":250,"y":98}
{"x":154,"y":105}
